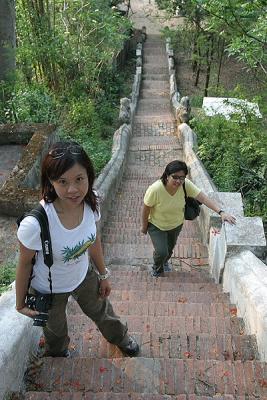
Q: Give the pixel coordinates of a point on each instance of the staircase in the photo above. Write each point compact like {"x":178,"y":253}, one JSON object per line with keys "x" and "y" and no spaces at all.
{"x":193,"y":345}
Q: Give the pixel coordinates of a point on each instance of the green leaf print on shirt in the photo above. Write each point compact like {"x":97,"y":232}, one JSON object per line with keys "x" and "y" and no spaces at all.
{"x":71,"y":253}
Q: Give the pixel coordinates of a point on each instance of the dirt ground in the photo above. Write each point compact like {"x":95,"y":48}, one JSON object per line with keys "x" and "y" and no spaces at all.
{"x":233,"y":73}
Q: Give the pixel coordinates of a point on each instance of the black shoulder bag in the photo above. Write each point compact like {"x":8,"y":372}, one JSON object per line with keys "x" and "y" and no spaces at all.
{"x":192,"y":207}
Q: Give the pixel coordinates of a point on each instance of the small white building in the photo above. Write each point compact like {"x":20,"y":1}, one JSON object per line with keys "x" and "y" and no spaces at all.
{"x":227,"y":106}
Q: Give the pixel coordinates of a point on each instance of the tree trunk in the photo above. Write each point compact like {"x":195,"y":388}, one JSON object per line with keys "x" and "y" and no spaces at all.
{"x":220,"y":62}
{"x":7,"y":39}
{"x":198,"y":66}
{"x":209,"y":56}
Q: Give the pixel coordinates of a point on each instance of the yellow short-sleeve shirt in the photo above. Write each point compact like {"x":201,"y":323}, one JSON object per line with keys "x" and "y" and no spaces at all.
{"x":168,"y":210}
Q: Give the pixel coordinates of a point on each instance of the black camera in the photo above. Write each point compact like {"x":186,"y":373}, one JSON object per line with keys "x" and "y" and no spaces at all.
{"x":42,"y":303}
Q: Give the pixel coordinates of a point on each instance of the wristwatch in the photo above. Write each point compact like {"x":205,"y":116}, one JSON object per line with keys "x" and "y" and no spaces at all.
{"x":102,"y":277}
{"x":220,"y":212}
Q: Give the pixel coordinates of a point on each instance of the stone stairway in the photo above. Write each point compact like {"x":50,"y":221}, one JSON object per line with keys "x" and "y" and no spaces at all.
{"x":193,"y":345}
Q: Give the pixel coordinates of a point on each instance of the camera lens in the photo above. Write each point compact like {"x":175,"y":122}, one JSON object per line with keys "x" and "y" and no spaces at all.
{"x":40,"y":320}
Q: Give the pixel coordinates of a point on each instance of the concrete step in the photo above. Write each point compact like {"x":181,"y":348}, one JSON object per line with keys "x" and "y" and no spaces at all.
{"x":155,"y":51}
{"x":125,"y":236}
{"x":119,"y":396}
{"x":155,"y":77}
{"x":205,"y":347}
{"x":145,"y":107}
{"x":165,"y":296}
{"x":141,"y":253}
{"x":157,"y":42}
{"x":160,"y":325}
{"x":167,"y":283}
{"x":164,"y":129}
{"x":141,"y":150}
{"x":155,"y":84}
{"x":166,"y":118}
{"x":158,"y":69}
{"x":154,"y":58}
{"x":149,"y":109}
{"x":154,"y":93}
{"x":166,"y":309}
{"x":155,"y":376}
{"x":155,"y":102}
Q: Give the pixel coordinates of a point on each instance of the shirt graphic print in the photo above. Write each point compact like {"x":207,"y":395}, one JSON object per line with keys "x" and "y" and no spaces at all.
{"x":72,"y":253}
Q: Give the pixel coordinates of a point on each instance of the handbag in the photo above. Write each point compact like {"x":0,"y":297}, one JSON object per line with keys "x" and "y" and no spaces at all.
{"x":192,"y":207}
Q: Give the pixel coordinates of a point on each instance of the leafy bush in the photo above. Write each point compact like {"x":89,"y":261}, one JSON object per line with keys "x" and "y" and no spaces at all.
{"x":7,"y":275}
{"x":98,"y":149}
{"x":32,"y":103}
{"x":234,"y":153}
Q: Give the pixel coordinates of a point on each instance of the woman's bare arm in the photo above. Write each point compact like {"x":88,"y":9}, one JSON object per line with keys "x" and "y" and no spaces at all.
{"x":204,"y":199}
{"x":23,"y":274}
{"x":145,"y":214}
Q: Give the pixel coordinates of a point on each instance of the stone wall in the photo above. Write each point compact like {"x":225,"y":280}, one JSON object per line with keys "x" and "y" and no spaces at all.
{"x":20,"y":192}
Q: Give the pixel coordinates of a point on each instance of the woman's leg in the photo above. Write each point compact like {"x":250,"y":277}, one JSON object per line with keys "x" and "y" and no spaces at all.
{"x":160,"y":243}
{"x":172,"y":239}
{"x":100,"y":310}
{"x":56,"y":329}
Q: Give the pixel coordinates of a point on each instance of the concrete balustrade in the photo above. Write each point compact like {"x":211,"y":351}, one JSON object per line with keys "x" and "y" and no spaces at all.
{"x":235,"y":252}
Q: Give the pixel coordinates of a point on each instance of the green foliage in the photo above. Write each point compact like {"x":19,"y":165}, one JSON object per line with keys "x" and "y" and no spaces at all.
{"x":66,"y":70}
{"x":98,"y":148}
{"x":7,"y":275}
{"x":64,"y":43}
{"x":234,"y":153}
{"x":33,"y":103}
{"x":241,"y":23}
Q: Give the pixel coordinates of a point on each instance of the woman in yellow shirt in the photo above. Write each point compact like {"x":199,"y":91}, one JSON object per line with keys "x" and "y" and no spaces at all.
{"x":163,"y":212}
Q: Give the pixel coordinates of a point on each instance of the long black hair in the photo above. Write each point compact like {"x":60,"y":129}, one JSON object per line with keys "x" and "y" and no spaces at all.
{"x":171,"y":168}
{"x":60,"y":158}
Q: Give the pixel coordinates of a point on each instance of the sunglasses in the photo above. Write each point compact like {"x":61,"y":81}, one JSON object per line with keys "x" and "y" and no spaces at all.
{"x":178,"y":178}
{"x":60,"y":152}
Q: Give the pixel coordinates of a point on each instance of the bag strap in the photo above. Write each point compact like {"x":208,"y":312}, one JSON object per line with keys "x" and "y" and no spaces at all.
{"x":41,"y":216}
{"x":185,"y":195}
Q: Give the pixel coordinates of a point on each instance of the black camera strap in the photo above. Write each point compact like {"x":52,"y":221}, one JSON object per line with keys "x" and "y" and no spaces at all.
{"x":41,"y":216}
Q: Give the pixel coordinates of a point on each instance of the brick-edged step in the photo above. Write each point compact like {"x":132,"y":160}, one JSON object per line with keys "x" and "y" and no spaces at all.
{"x":126,"y":396}
{"x":156,"y":77}
{"x":164,"y":284}
{"x":166,"y":309}
{"x":140,"y":274}
{"x":122,"y":396}
{"x":158,"y":102}
{"x":186,"y":325}
{"x":154,"y":58}
{"x":153,"y":376}
{"x":158,"y":69}
{"x":152,"y":108}
{"x":203,"y":346}
{"x":154,"y":93}
{"x":180,"y":297}
{"x":155,"y":84}
{"x":166,"y":118}
{"x":157,"y":136}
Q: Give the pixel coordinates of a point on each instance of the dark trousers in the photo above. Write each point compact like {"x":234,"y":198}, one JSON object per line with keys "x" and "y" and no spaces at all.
{"x":163,"y":243}
{"x":98,"y":309}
